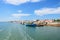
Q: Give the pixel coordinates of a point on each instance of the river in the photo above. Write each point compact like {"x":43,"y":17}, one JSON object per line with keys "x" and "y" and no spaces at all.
{"x":15,"y":31}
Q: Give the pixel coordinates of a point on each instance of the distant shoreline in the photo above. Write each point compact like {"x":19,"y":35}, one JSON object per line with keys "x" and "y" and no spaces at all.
{"x":39,"y":22}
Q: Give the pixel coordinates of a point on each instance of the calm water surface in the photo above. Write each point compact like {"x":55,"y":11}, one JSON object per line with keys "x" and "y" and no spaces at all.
{"x":14,"y":31}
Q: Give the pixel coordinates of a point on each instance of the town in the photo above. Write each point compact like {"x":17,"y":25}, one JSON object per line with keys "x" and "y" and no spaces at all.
{"x":46,"y":22}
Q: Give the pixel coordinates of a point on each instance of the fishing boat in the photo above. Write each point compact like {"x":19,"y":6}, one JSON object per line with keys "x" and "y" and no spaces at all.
{"x":31,"y":25}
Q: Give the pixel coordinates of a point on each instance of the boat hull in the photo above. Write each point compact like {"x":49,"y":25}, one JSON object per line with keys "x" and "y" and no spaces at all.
{"x":32,"y":25}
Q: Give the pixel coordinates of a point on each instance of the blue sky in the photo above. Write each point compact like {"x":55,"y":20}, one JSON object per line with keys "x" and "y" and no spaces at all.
{"x":29,"y":9}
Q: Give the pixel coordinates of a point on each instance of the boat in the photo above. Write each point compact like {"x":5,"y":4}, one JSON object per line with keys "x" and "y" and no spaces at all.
{"x":31,"y":25}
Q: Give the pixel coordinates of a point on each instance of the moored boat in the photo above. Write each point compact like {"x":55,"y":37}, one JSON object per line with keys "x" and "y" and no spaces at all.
{"x":31,"y":25}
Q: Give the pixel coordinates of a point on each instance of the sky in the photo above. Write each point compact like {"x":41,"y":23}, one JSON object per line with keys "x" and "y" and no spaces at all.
{"x":29,"y":9}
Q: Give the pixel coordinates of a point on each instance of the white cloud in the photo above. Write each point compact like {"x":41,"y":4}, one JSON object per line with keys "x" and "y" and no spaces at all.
{"x":18,"y":2}
{"x":45,"y":11}
{"x":20,"y":15}
{"x":19,"y":11}
{"x":35,"y":0}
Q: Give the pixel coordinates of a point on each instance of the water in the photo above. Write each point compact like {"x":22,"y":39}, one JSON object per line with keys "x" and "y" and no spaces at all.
{"x":15,"y":31}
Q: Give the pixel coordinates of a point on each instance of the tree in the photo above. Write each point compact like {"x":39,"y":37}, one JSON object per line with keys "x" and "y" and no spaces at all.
{"x":58,"y":20}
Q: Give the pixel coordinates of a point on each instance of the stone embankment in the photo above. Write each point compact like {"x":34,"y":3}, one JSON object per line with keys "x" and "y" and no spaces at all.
{"x":57,"y":24}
